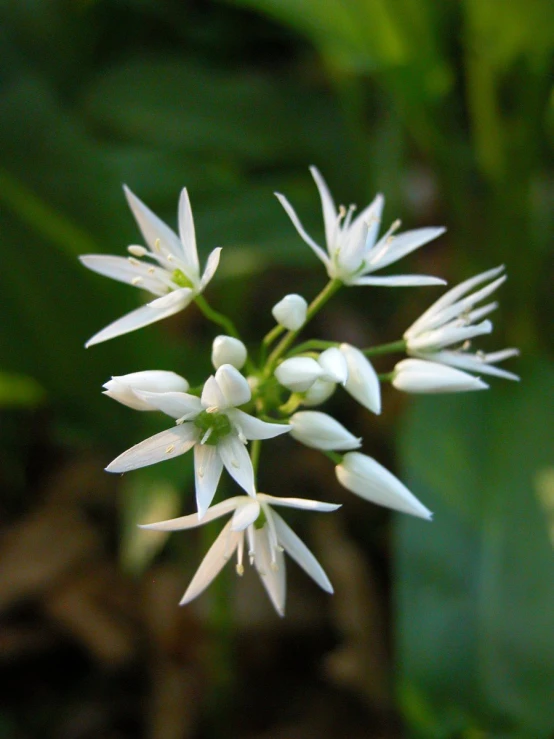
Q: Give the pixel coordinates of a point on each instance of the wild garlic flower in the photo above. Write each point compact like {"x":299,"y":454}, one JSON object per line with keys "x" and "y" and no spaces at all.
{"x":267,"y":537}
{"x":365,"y":477}
{"x":213,"y":425}
{"x":453,"y":320}
{"x":170,"y":269}
{"x":353,"y":251}
{"x":122,"y":387}
{"x":343,"y":365}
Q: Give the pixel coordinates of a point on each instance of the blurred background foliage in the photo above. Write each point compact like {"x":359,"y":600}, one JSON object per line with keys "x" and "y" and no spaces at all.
{"x":442,"y":631}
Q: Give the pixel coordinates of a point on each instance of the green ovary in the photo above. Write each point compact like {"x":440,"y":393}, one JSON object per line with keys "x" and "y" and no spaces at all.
{"x":217,"y":423}
{"x":180,"y":278}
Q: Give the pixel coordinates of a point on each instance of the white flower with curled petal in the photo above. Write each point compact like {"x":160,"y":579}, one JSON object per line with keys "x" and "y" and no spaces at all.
{"x":213,"y":425}
{"x":353,"y":251}
{"x":424,"y":377}
{"x":321,"y":431}
{"x":267,"y":537}
{"x":171,"y":269}
{"x":454,"y":320}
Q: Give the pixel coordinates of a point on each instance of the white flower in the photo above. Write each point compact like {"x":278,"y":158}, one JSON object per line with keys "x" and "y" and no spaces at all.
{"x":353,"y":251}
{"x":171,"y":270}
{"x":422,"y":376}
{"x":122,"y":387}
{"x":211,"y":424}
{"x":266,"y":543}
{"x":454,"y":320}
{"x":290,"y":312}
{"x":228,"y":350}
{"x":344,"y":365}
{"x":367,"y":478}
{"x":320,"y":431}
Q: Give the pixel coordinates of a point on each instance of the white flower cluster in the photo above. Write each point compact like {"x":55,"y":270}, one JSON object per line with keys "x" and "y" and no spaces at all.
{"x":219,"y":418}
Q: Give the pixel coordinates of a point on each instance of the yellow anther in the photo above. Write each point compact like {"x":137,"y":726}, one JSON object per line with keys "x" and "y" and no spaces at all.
{"x":240,"y":570}
{"x":136,"y":281}
{"x":170,"y":448}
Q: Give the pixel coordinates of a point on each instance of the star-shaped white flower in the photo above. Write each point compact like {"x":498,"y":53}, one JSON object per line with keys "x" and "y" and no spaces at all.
{"x":353,"y":251}
{"x":267,"y":537}
{"x":454,"y":320}
{"x":213,"y":425}
{"x":171,"y":269}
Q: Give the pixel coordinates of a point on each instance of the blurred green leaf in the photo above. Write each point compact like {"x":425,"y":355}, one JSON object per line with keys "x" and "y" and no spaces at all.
{"x":474,"y":589}
{"x":19,"y":391}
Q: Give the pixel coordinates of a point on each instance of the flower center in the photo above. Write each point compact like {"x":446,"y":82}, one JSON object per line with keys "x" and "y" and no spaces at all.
{"x":215,"y":426}
{"x":180,"y":278}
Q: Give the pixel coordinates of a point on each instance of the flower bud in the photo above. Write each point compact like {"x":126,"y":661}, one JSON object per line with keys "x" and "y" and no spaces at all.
{"x":298,"y":373}
{"x":334,"y":365}
{"x":290,"y":312}
{"x":121,"y":388}
{"x":319,"y":392}
{"x":320,"y":431}
{"x":367,"y":478}
{"x":233,"y":386}
{"x":362,"y":382}
{"x":422,"y":376}
{"x":228,"y":350}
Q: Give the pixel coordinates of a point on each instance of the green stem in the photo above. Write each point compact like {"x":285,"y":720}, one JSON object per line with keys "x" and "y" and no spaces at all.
{"x":312,"y":344}
{"x":392,"y":348}
{"x":386,"y":377}
{"x":316,"y":305}
{"x":216,"y":317}
{"x":255,"y":449}
{"x":291,"y":405}
{"x":334,"y":457}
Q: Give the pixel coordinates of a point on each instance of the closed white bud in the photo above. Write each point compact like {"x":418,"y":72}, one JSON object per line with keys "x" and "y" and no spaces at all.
{"x":367,"y":478}
{"x":320,"y":431}
{"x":298,"y":373}
{"x":122,"y":387}
{"x":228,"y":350}
{"x":319,"y":392}
{"x":422,"y":376}
{"x":362,"y":382}
{"x":333,"y":363}
{"x":290,"y":312}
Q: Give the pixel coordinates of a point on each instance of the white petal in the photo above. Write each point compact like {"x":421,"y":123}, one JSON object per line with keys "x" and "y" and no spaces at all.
{"x":296,"y":548}
{"x":290,"y":312}
{"x":245,"y":514}
{"x":319,"y":392}
{"x":272,"y":574}
{"x":192,"y":521}
{"x":157,"y":381}
{"x":176,"y":405}
{"x":367,"y":478}
{"x":125,"y":395}
{"x":398,"y":281}
{"x":153,"y":228}
{"x":475,"y":362}
{"x":303,"y":503}
{"x":233,"y":386}
{"x":138,"y":274}
{"x":158,"y":448}
{"x":211,"y":266}
{"x":158,"y":309}
{"x":300,"y":228}
{"x":212,"y":397}
{"x":298,"y":373}
{"x":452,"y":296}
{"x":400,"y":246}
{"x":207,"y":471}
{"x":255,"y":428}
{"x":187,"y":234}
{"x":228,"y":350}
{"x":217,"y":557}
{"x":362,"y":382}
{"x":327,"y":206}
{"x":237,"y":462}
{"x":320,"y":431}
{"x":333,"y":363}
{"x":452,"y":333}
{"x":368,"y":221}
{"x":421,"y":376}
